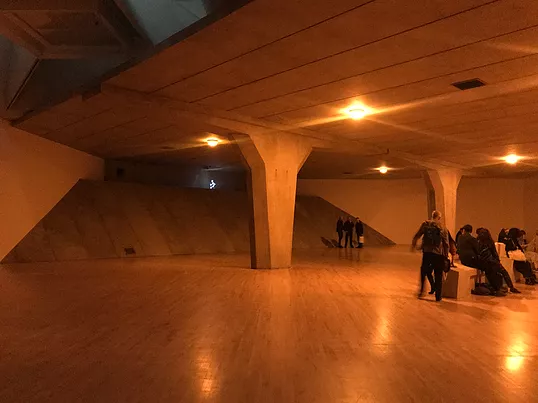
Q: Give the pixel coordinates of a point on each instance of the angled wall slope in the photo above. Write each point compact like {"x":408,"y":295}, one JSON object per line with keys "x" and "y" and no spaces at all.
{"x":112,"y":219}
{"x":34,"y":175}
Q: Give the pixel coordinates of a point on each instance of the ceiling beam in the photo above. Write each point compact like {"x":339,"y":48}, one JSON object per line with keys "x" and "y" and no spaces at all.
{"x":161,"y":106}
{"x":174,"y":110}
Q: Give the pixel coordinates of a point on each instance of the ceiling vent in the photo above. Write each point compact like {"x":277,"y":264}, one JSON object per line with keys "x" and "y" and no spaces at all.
{"x":69,"y":29}
{"x":469,"y":84}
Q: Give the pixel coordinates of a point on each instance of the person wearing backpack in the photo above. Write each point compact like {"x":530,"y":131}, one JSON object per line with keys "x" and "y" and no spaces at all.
{"x":434,"y":252}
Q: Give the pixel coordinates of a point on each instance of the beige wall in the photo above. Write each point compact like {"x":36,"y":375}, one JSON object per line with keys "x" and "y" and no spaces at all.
{"x":530,"y":206}
{"x":493,"y":203}
{"x":393,"y":207}
{"x":34,"y":175}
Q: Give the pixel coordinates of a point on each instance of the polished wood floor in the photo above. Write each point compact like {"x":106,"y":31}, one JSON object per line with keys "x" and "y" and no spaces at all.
{"x":338,"y":327}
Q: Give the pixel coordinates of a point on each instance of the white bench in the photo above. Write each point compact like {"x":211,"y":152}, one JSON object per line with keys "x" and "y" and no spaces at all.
{"x":460,"y":281}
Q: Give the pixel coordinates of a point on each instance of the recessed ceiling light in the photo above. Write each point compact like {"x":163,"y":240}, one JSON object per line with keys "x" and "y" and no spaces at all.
{"x":356,"y":112}
{"x":512,"y":159}
{"x":383,"y":169}
{"x":212,"y":142}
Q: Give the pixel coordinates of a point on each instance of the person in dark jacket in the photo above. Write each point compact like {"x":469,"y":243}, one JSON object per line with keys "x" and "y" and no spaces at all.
{"x":523,"y":240}
{"x":495,"y":272}
{"x":468,"y":247}
{"x":359,"y":230}
{"x":458,"y":234}
{"x":503,"y":236}
{"x":434,"y":252}
{"x":452,"y":248}
{"x":523,"y":267}
{"x":348,"y":229}
{"x":340,"y":230}
{"x":460,"y":231}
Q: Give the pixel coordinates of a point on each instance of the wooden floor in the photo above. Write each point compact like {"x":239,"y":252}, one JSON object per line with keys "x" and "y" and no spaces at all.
{"x":338,"y":327}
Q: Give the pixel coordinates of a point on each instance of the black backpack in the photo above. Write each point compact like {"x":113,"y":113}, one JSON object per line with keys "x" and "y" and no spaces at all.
{"x":432,"y":235}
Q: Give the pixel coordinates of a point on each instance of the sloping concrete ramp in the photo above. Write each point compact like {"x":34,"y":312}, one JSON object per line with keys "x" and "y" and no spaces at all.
{"x":112,"y":219}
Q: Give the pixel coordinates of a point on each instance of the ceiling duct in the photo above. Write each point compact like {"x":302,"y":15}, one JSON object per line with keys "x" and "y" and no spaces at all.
{"x":60,"y":29}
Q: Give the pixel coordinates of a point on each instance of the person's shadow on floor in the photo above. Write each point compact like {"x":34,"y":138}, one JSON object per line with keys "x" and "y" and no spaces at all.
{"x":329,"y":243}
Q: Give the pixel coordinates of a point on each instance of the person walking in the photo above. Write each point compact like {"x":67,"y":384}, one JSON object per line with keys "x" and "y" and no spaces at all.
{"x":359,"y":230}
{"x":434,"y":251}
{"x":348,"y":228}
{"x":340,"y":230}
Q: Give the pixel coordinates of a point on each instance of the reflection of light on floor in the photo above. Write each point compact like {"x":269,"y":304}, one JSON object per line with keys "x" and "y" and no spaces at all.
{"x":207,"y":387}
{"x":383,"y":330}
{"x":514,"y":363}
{"x":206,"y":375}
{"x":383,"y":335}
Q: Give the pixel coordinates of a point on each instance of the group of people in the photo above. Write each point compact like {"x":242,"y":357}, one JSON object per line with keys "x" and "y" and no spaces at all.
{"x":478,"y":252}
{"x":516,"y":245}
{"x":347,"y":227}
{"x":516,"y":240}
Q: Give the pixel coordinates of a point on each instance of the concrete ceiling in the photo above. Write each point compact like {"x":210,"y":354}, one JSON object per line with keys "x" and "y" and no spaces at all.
{"x":294,"y":65}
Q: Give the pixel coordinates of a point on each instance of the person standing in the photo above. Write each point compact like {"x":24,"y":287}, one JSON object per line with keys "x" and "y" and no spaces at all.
{"x":340,"y":230}
{"x":348,"y":228}
{"x":434,"y":251}
{"x":359,"y":230}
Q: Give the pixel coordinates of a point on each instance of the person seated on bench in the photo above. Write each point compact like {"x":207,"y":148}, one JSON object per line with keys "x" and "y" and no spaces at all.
{"x":458,"y":234}
{"x":503,"y":236}
{"x":491,"y":263}
{"x":525,"y":245}
{"x":523,"y":239}
{"x":521,"y":266}
{"x":532,"y":251}
{"x":468,"y":248}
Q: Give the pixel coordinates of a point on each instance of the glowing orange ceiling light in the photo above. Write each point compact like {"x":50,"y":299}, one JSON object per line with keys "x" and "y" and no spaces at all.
{"x":512,"y":159}
{"x":355,"y":112}
{"x":212,"y":142}
{"x":383,"y":169}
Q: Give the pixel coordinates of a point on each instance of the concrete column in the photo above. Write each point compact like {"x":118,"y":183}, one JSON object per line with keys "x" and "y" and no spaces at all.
{"x":445,"y":183}
{"x":274,"y":160}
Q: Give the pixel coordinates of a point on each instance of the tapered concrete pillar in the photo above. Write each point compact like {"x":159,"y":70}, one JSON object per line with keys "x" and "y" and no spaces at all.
{"x":274,"y":161}
{"x":445,"y":183}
